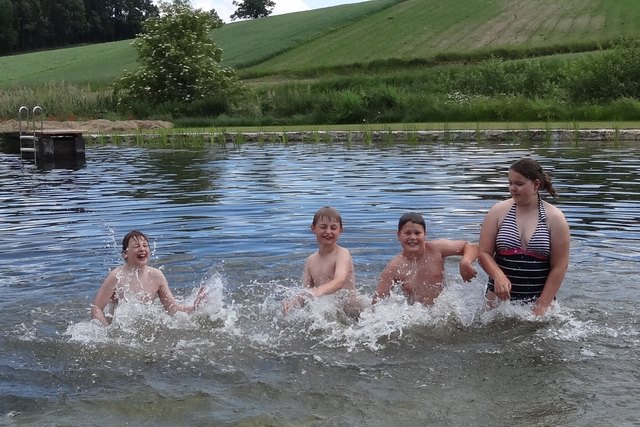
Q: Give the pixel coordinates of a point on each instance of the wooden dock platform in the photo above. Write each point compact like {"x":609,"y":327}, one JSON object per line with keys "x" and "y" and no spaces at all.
{"x":47,"y":148}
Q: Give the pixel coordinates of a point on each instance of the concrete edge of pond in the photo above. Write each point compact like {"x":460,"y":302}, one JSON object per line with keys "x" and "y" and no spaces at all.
{"x":456,"y":135}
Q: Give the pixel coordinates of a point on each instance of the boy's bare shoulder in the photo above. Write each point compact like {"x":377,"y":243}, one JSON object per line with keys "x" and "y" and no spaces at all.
{"x":342,"y":251}
{"x":115,"y":270}
{"x":155,"y":272}
{"x":396,"y":261}
{"x":438,"y":244}
{"x":312,"y":257}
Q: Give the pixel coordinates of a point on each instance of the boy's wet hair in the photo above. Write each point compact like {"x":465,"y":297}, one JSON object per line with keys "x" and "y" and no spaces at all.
{"x":135,"y":234}
{"x":413,"y":217}
{"x":327,"y":213}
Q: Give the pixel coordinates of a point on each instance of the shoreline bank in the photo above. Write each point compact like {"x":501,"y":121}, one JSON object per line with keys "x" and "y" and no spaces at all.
{"x":373,"y":136}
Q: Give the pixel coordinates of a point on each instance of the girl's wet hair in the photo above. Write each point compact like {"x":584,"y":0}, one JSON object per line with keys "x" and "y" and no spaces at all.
{"x":328,"y":213}
{"x":532,"y":170}
{"x":135,"y":234}
{"x":413,"y":217}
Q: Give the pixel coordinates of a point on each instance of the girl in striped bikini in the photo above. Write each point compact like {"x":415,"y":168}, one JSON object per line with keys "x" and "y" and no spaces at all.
{"x":524,"y":241}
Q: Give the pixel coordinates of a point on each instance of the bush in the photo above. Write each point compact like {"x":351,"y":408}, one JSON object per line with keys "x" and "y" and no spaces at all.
{"x":608,"y":76}
{"x":179,"y":61}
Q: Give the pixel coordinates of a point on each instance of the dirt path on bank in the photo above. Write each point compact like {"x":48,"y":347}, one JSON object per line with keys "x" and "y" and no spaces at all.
{"x":92,"y":126}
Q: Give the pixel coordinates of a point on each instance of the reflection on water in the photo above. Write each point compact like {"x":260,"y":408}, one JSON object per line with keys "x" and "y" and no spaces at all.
{"x":236,"y":220}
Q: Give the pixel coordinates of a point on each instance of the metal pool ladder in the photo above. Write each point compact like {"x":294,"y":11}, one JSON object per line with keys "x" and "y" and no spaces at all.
{"x":28,"y":138}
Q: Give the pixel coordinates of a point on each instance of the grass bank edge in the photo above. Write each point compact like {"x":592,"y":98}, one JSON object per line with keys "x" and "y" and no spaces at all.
{"x":162,"y":136}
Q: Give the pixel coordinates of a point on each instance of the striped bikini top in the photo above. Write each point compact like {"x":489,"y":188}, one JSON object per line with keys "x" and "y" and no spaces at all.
{"x":509,"y":241}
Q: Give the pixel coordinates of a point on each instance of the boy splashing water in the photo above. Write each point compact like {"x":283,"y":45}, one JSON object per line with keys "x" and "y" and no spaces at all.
{"x":419,"y":269}
{"x":330,"y":268}
{"x":136,"y":280}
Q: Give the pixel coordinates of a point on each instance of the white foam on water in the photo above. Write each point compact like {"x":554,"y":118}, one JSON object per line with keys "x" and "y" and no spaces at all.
{"x":327,"y":322}
{"x":568,"y":326}
{"x":138,"y":323}
{"x":25,"y":333}
{"x":254,"y":318}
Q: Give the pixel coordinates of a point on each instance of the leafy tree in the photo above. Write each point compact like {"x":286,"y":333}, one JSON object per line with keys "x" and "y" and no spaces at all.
{"x":252,"y":9}
{"x":179,"y":61}
{"x":67,"y":21}
{"x":30,"y":24}
{"x":8,"y":34}
{"x":122,"y":19}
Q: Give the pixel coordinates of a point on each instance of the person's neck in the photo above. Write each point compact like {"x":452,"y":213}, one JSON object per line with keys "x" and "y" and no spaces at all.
{"x":327,"y":249}
{"x":134,"y":267}
{"x":533,"y":201}
{"x":412,"y":256}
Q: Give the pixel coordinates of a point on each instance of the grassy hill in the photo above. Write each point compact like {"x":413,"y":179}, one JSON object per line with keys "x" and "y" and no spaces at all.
{"x":97,"y":64}
{"x":381,"y":61}
{"x":422,"y":29}
{"x":360,"y":34}
{"x":248,"y":43}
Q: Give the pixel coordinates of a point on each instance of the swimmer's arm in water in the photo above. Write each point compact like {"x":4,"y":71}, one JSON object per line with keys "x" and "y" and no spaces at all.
{"x":467,"y":250}
{"x":169,"y":302}
{"x":388,"y":278}
{"x":560,"y":246}
{"x":486,"y":251}
{"x":300,"y":299}
{"x":105,"y":294}
{"x":469,"y":256}
{"x":343,"y":273}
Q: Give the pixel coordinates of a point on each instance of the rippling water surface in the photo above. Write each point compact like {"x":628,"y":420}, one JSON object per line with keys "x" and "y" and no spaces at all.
{"x":236,"y":220}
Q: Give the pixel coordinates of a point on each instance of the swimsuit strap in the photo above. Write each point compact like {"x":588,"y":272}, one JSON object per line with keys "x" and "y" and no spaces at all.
{"x":542,"y":212}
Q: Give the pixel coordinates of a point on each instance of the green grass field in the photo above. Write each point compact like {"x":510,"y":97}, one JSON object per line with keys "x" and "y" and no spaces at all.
{"x":379,"y":61}
{"x":247,"y":43}
{"x":422,"y":29}
{"x":97,"y":65}
{"x":361,"y":33}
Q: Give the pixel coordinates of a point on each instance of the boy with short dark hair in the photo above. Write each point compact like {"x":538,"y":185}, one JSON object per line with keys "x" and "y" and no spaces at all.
{"x":419,"y":269}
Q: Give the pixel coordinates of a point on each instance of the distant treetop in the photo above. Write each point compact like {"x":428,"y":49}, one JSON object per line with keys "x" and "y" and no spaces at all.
{"x":252,"y":9}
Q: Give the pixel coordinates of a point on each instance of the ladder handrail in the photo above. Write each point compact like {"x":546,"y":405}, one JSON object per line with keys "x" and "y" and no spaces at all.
{"x":20,"y":110}
{"x":37,"y":110}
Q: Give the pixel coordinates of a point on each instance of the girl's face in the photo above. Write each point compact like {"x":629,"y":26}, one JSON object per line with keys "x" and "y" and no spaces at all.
{"x":411,"y":237}
{"x":137,"y":252}
{"x":522,"y":188}
{"x":327,"y":230}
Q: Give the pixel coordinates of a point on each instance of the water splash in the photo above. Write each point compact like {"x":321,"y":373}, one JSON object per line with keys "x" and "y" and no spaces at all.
{"x":252,"y":317}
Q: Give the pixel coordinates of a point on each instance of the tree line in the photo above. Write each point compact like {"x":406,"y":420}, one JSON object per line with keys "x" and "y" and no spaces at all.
{"x":27,"y":25}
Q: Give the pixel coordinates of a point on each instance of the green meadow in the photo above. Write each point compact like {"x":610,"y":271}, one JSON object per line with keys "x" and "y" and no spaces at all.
{"x":423,"y":30}
{"x":379,"y":61}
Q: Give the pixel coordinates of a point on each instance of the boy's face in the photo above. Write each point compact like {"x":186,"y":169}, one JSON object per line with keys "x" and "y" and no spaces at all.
{"x":137,"y":252}
{"x":327,"y":231}
{"x":411,"y":236}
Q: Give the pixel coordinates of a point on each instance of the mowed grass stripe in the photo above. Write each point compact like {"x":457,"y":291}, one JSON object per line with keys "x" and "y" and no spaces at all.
{"x":621,"y":15}
{"x":463,"y":32}
{"x":446,"y":28}
{"x":522,"y":20}
{"x":98,"y":64}
{"x":395,"y":32}
{"x":418,"y":29}
{"x":250,"y":42}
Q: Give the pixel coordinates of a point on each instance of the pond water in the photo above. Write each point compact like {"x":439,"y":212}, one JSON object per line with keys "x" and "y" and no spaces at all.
{"x":236,"y":220}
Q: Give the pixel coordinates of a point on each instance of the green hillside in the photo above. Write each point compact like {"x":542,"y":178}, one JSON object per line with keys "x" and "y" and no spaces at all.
{"x":422,"y":29}
{"x":361,"y":33}
{"x":248,"y":43}
{"x":98,"y":64}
